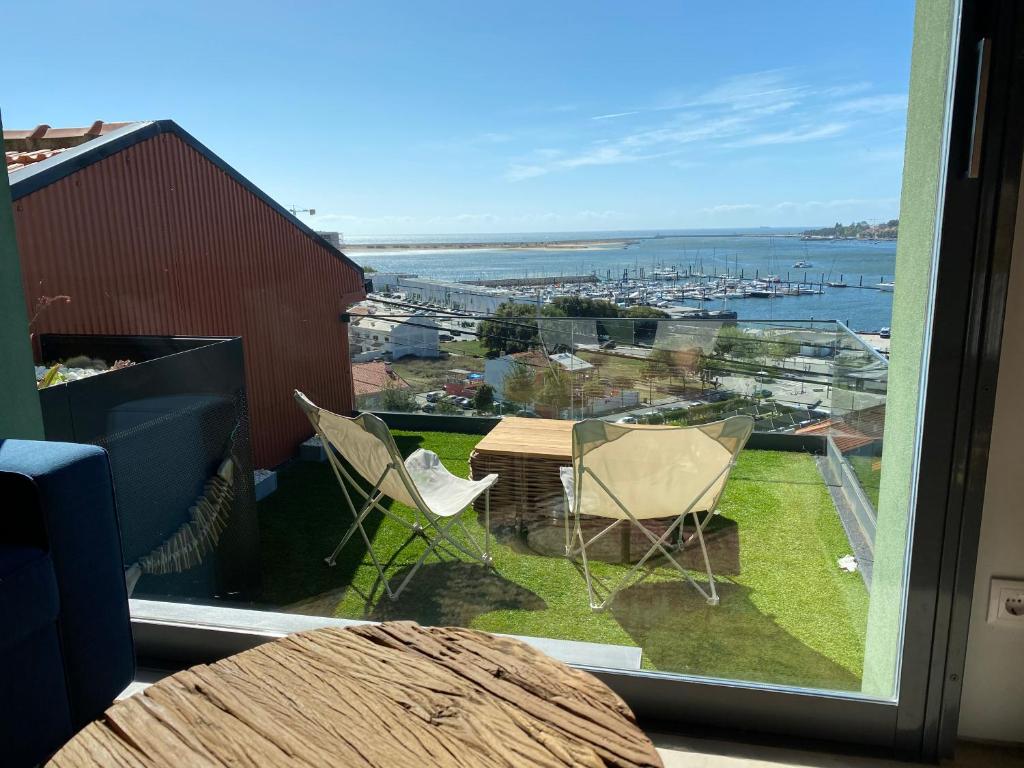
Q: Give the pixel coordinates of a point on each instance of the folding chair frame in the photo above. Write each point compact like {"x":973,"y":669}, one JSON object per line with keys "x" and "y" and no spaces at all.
{"x":657,"y":542}
{"x":372,"y":500}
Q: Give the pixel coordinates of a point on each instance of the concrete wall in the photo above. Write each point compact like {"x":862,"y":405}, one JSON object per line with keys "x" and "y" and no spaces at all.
{"x":992,"y":701}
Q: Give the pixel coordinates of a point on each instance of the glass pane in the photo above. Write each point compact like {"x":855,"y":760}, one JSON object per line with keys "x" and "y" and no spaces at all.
{"x":640,"y":410}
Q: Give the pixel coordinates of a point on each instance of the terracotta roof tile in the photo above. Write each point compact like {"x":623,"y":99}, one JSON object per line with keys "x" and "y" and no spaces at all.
{"x":18,"y":160}
{"x":44,"y":136}
{"x":375,"y":377}
{"x":846,"y":437}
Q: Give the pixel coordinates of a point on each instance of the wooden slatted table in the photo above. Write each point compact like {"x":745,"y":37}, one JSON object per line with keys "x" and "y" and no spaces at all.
{"x":526,"y":454}
{"x":391,"y":694}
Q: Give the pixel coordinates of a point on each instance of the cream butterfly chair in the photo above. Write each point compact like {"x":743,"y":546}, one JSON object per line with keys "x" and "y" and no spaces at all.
{"x":421,"y":482}
{"x":630,"y":474}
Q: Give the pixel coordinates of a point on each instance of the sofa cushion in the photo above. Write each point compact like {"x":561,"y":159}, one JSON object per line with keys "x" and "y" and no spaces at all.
{"x":76,"y":502}
{"x":28,"y":593}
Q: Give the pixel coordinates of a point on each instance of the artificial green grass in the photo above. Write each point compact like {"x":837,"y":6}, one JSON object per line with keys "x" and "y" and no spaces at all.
{"x":869,"y":475}
{"x":788,"y":615}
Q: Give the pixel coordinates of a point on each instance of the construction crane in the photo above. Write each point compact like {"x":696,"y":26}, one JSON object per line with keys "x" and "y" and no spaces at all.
{"x":296,"y":211}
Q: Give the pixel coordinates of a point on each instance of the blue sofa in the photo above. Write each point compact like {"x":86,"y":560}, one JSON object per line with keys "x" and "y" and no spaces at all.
{"x":65,"y":636}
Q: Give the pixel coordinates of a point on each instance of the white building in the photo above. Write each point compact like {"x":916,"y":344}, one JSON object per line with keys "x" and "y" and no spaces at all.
{"x":334,"y":238}
{"x":475,"y":299}
{"x":497,"y":369}
{"x":373,"y":337}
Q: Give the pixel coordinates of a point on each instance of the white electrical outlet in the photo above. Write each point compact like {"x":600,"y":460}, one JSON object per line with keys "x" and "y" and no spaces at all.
{"x":1006,"y":602}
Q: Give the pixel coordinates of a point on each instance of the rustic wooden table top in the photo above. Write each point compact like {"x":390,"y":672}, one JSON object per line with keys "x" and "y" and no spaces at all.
{"x":391,"y":694}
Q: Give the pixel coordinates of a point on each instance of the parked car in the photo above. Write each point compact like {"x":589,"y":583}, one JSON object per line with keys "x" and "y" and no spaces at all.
{"x":428,"y":408}
{"x":885,"y":333}
{"x":626,"y":420}
{"x":433,"y":397}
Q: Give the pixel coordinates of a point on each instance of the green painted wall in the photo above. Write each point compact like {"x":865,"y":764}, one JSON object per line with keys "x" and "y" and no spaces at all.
{"x":929,"y":72}
{"x":19,"y":409}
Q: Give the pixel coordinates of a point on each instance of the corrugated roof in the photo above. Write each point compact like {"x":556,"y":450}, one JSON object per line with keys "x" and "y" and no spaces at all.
{"x":85,"y":146}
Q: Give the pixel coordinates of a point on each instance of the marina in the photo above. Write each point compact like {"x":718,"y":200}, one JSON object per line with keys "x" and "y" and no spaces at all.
{"x":764,"y":277}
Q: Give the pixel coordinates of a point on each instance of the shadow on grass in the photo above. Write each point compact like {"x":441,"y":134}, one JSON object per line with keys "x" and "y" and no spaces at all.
{"x":679,"y":632}
{"x":721,"y":536}
{"x":300,"y":524}
{"x":452,"y":593}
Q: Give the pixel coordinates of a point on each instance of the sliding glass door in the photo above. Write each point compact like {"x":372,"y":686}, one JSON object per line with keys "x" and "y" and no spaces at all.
{"x":736,"y":399}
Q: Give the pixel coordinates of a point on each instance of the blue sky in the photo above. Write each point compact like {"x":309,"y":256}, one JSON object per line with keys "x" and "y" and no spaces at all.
{"x":419,"y":117}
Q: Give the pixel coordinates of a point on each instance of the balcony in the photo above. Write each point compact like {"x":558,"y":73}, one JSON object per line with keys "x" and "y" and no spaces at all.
{"x":787,"y":613}
{"x":801,"y":497}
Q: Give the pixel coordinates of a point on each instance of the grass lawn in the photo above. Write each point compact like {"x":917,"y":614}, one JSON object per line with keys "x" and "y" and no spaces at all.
{"x":788,"y":614}
{"x":468,"y":348}
{"x":429,"y":373}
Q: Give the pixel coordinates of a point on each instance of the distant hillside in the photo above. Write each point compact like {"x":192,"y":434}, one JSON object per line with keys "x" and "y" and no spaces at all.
{"x":860,"y":230}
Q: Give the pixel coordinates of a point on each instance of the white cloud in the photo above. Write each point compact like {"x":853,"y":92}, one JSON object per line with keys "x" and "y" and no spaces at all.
{"x":793,"y":135}
{"x":888,"y":102}
{"x":746,"y":111}
{"x":750,"y":91}
{"x":492,"y":138}
{"x":730,"y":208}
{"x":803,"y":205}
{"x":613,"y":115}
{"x":519,"y":172}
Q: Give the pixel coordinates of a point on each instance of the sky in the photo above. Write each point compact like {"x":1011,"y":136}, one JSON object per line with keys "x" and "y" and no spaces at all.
{"x":462,"y":117}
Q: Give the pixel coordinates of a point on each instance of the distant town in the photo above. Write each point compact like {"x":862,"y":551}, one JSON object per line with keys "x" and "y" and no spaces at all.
{"x":860,"y":230}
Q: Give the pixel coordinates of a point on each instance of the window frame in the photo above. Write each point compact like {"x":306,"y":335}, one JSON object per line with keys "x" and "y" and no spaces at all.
{"x":976,"y":228}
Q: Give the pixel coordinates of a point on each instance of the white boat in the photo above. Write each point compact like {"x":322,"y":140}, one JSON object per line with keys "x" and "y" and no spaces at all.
{"x":802,"y":265}
{"x":886,"y":287}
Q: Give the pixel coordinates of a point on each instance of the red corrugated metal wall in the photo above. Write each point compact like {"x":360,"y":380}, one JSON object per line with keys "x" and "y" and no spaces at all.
{"x":158,"y":240}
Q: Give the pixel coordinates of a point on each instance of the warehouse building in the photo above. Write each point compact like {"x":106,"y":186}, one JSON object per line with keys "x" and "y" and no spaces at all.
{"x":148,"y":232}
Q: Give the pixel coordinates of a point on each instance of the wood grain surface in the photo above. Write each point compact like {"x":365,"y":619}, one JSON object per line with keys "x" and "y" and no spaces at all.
{"x":540,"y":438}
{"x":391,"y":694}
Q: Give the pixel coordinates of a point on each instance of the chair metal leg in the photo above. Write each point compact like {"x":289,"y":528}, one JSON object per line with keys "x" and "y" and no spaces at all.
{"x":431,"y":546}
{"x":488,"y":560}
{"x":713,"y":598}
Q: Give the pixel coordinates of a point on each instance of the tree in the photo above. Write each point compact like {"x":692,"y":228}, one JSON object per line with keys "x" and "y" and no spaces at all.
{"x":654,"y":369}
{"x":397,"y":398}
{"x":643,"y":311}
{"x":483,"y":400}
{"x":448,"y":408}
{"x":520,"y":383}
{"x":592,"y":390}
{"x":555,"y":389}
{"x":582,"y":306}
{"x":706,"y":372}
{"x":782,"y":348}
{"x":512,"y":328}
{"x":733,"y":342}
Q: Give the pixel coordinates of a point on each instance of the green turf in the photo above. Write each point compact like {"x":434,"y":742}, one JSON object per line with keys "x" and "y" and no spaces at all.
{"x":788,"y":614}
{"x":868,"y":472}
